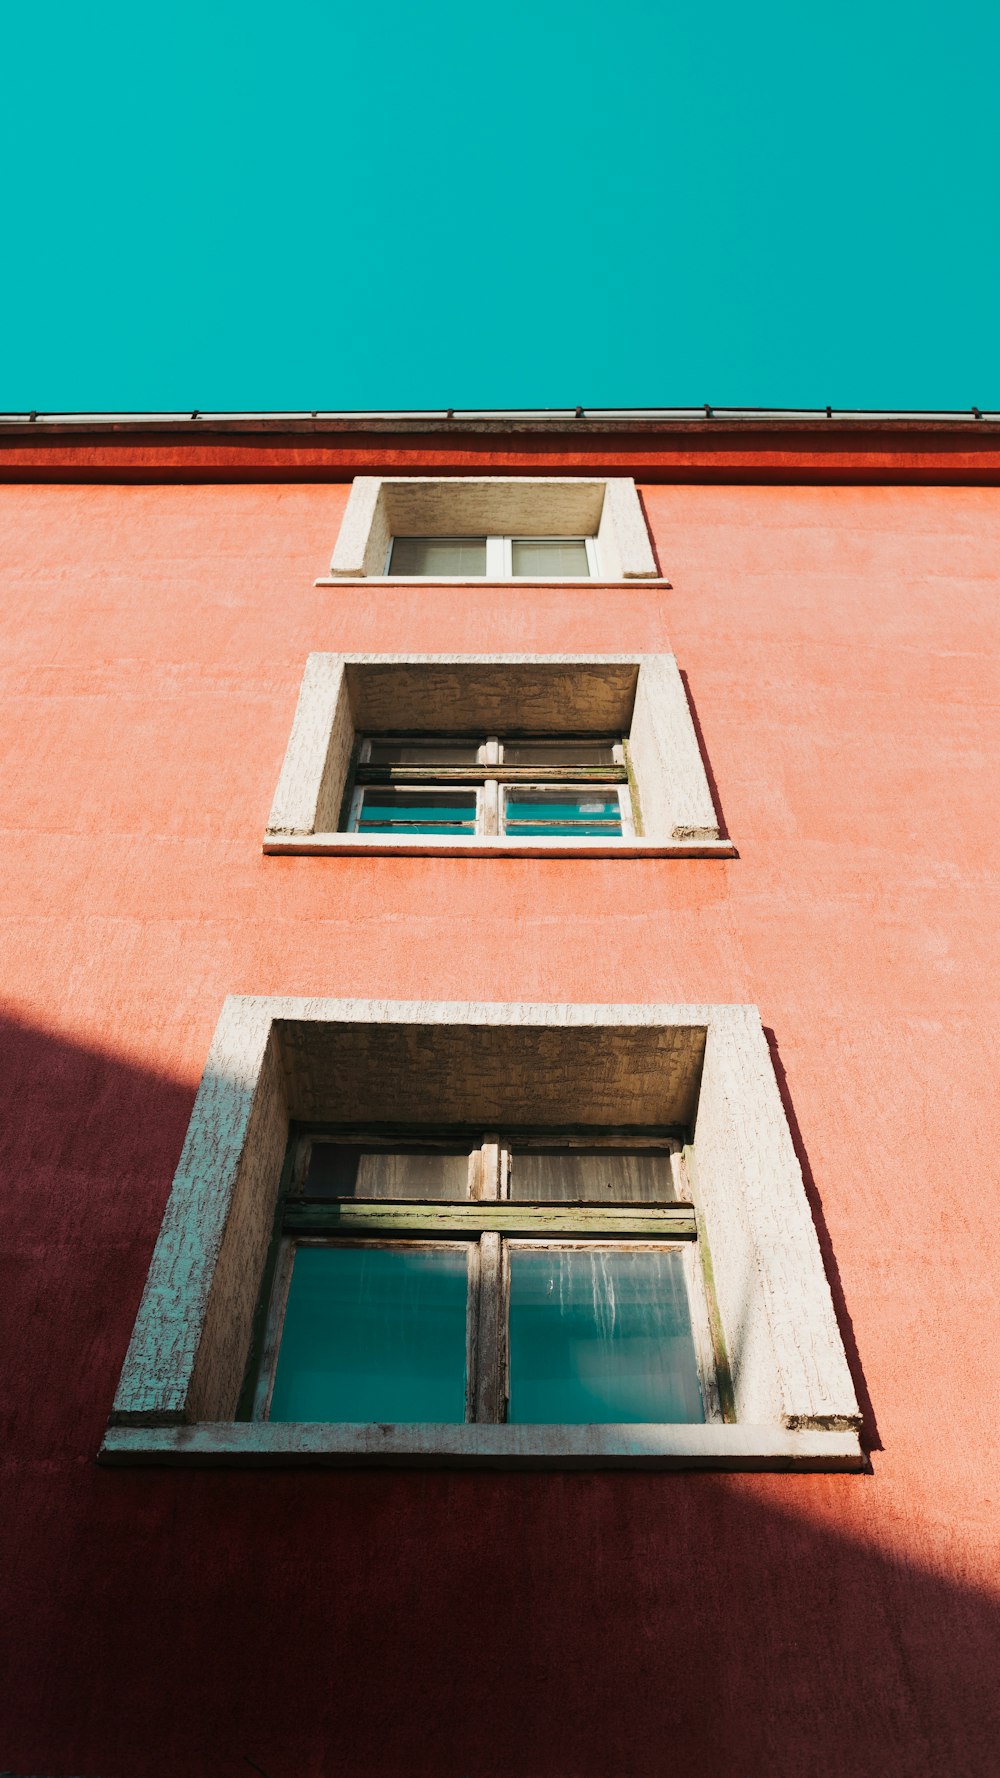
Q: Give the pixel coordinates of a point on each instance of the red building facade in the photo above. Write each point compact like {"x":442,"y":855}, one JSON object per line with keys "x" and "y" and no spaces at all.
{"x":827,"y":589}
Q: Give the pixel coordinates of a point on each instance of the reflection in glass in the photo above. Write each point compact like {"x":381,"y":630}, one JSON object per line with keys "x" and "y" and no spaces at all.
{"x":373,"y":1333}
{"x":423,"y":753}
{"x":608,"y":1175}
{"x":558,"y":753}
{"x":550,"y":555}
{"x":438,"y":555}
{"x":601,"y":1336}
{"x":341,"y":1170}
{"x":569,"y":814}
{"x":392,"y":810}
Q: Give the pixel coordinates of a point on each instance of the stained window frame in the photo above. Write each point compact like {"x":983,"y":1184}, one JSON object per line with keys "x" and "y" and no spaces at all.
{"x":490,"y":1225}
{"x":493,"y":780}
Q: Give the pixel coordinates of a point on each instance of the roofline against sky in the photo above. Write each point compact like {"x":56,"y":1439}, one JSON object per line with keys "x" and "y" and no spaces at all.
{"x":375,"y":419}
{"x":692,"y":444}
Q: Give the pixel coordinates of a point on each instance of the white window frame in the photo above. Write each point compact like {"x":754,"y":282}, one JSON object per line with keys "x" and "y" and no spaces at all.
{"x":358,"y":796}
{"x":704,"y":1068}
{"x":606,"y":791}
{"x":499,"y":557}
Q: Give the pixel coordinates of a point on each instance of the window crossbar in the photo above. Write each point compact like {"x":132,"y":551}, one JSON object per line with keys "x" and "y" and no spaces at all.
{"x":584,"y":1218}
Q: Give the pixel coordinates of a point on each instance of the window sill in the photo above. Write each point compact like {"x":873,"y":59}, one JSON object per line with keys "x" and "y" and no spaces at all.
{"x":354,"y":845}
{"x":483,"y":580}
{"x":257,"y":1444}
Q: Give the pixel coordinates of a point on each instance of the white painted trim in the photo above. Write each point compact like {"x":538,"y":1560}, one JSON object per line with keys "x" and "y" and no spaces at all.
{"x":605,"y":508}
{"x":642,"y":695}
{"x":710,"y":1446}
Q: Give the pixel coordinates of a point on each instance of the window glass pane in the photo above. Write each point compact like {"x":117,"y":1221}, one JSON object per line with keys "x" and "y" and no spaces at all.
{"x":575,"y":814}
{"x":599,"y":1336}
{"x":394,"y":810}
{"x":420,"y":753}
{"x":438,"y":555}
{"x":608,"y":1175}
{"x":341,"y":1170}
{"x":373,"y":1333}
{"x":558,"y":753}
{"x":549,"y":555}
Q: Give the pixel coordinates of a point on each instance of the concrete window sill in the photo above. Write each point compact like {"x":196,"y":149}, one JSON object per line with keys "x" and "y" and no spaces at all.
{"x":483,"y":580}
{"x":354,"y":845}
{"x":248,"y":1444}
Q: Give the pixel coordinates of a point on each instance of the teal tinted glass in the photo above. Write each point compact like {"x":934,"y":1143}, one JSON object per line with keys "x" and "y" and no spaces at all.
{"x":598,"y":1336}
{"x":374,"y":1333}
{"x":390,"y":810}
{"x":571,"y":814}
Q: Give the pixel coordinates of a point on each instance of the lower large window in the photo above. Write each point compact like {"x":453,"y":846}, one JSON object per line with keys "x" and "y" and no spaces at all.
{"x":519,"y":1279}
{"x":583,"y":1239}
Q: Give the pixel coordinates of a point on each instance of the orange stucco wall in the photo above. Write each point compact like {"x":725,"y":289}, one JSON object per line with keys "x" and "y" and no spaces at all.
{"x":839,"y":645}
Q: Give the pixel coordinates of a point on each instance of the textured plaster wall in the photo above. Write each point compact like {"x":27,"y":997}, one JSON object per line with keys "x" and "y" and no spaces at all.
{"x":840,"y":652}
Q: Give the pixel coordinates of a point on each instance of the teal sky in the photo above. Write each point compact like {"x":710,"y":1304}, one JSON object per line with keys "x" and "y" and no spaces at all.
{"x":548,"y":202}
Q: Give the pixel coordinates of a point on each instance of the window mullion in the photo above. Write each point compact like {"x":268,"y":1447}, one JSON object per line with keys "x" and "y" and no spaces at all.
{"x":487,"y":1183}
{"x":497,"y":558}
{"x":490,"y":1405}
{"x":490,"y":805}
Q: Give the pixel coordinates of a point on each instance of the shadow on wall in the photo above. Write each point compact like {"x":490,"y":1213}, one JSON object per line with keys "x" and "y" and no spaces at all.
{"x":724,"y":833}
{"x":869,"y":1432}
{"x":171,"y":1624}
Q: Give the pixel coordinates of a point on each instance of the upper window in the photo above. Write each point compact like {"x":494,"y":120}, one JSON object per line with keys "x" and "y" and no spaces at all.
{"x":493,"y":528}
{"x":495,"y":558}
{"x":525,"y":787}
{"x":512,"y":1279}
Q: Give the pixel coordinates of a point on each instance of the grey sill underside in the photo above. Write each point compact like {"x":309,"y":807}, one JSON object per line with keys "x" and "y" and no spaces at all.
{"x":483,"y":580}
{"x":715,"y":1446}
{"x":314,"y":845}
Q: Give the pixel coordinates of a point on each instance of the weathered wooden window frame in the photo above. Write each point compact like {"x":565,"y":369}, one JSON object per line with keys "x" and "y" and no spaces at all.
{"x":642,"y":698}
{"x":705,"y":1068}
{"x":489,"y":1224}
{"x":493,"y":779}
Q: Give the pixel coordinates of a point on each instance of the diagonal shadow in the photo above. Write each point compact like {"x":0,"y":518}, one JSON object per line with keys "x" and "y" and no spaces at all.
{"x":869,"y":1434}
{"x":724,"y":832}
{"x":371,"y":1624}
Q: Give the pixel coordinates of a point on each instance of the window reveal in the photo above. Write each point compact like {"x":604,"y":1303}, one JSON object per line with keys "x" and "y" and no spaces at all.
{"x":524,"y":787}
{"x":495,"y":558}
{"x":546,"y":1280}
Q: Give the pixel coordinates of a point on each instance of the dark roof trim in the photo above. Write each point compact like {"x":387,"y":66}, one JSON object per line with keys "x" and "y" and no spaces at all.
{"x":653,"y":445}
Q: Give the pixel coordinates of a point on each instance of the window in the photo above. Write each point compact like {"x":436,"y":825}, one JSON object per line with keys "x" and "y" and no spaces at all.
{"x":534,"y":1161}
{"x":493,"y":527}
{"x":525,"y":787}
{"x":482,"y":754}
{"x":495,"y":558}
{"x":513,"y":1279}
